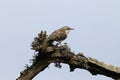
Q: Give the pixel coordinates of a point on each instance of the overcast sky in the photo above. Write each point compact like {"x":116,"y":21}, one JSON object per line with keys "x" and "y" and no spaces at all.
{"x":96,"y":34}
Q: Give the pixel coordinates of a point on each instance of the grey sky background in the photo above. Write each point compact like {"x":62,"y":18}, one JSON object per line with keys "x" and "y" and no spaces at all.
{"x":96,"y":34}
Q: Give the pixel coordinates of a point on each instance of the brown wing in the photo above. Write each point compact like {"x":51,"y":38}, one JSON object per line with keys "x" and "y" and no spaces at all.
{"x":58,"y":35}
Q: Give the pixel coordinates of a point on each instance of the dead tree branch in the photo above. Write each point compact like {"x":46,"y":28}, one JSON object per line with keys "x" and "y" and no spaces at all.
{"x":63,"y":54}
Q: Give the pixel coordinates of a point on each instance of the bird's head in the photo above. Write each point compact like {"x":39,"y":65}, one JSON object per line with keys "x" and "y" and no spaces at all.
{"x":67,"y":29}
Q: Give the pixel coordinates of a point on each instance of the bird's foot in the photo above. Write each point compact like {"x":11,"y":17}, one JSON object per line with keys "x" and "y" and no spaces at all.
{"x":59,"y":43}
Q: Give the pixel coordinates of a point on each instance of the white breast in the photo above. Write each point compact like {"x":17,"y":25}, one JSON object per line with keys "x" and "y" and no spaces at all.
{"x":67,"y":31}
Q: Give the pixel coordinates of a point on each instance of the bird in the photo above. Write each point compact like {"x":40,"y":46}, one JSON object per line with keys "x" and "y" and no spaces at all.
{"x":60,"y":34}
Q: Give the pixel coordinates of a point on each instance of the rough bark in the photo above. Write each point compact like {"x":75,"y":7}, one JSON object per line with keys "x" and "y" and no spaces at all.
{"x":63,"y":54}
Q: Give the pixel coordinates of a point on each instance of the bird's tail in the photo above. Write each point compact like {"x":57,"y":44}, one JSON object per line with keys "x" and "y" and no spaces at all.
{"x":46,"y":43}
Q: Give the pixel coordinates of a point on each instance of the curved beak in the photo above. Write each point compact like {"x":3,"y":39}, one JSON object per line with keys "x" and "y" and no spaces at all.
{"x":71,"y":28}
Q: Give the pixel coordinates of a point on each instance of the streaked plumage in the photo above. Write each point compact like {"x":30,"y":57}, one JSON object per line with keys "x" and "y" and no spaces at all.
{"x":60,"y":34}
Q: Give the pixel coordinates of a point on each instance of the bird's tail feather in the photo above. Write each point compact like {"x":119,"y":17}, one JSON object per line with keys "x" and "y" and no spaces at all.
{"x":46,"y":43}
